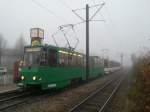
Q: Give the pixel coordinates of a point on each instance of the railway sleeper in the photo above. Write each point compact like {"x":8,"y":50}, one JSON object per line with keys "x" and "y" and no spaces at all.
{"x":93,"y":103}
{"x":90,"y":108}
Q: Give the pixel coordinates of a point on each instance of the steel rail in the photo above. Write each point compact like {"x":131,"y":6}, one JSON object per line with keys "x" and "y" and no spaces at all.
{"x":13,"y":100}
{"x":92,"y":95}
{"x":112,"y":94}
{"x":13,"y":97}
{"x":11,"y":105}
{"x":8,"y":92}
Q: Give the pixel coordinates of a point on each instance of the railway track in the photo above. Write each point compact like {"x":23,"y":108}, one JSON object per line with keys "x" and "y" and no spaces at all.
{"x":13,"y":98}
{"x":98,"y":100}
{"x":8,"y":93}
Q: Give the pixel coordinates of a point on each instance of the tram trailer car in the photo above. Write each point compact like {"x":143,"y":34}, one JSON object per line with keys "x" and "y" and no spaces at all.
{"x":111,"y":69}
{"x":54,"y":67}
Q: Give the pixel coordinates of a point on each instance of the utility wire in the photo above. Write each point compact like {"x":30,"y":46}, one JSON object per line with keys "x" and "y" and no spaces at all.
{"x":48,"y":10}
{"x":65,"y":4}
{"x":73,"y":11}
{"x":97,"y":11}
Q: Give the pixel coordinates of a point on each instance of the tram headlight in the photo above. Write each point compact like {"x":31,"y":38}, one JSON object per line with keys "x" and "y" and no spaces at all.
{"x":34,"y":78}
{"x":19,"y":69}
{"x":22,"y":77}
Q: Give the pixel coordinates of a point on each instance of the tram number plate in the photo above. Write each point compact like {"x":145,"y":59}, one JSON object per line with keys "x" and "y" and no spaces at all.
{"x":51,"y":85}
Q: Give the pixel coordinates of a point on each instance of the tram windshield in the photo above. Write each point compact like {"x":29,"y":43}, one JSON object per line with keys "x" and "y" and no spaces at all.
{"x":32,"y":56}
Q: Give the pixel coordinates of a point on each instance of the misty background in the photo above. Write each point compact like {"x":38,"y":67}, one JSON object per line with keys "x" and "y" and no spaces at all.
{"x":125,"y":30}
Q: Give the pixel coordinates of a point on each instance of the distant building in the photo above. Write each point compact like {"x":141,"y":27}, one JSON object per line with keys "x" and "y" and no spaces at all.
{"x":9,"y":57}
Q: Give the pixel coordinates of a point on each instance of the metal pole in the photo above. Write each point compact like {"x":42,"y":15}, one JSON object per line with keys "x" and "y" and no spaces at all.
{"x":87,"y":42}
{"x":121,"y":59}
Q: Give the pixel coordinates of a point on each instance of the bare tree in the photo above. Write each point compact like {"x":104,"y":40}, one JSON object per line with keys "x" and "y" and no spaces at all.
{"x":19,"y":46}
{"x":2,"y":47}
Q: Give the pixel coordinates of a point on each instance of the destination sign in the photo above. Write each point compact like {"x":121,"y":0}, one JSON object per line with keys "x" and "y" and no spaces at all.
{"x":33,"y":49}
{"x":37,"y":33}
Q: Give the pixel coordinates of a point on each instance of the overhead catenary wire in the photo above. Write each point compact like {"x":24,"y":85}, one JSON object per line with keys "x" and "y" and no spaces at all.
{"x":97,"y":10}
{"x":78,"y":23}
{"x":73,"y":11}
{"x":61,"y":28}
{"x":90,"y":1}
{"x":55,"y":39}
{"x":90,"y":19}
{"x":78,"y":15}
{"x":65,"y":4}
{"x":75,"y":37}
{"x":65,"y":32}
{"x":49,"y":11}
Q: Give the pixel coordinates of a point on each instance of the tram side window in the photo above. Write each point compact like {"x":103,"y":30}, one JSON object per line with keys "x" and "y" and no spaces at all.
{"x":79,"y":61}
{"x":43,"y":60}
{"x":95,"y":62}
{"x":66,"y":59}
{"x":83,"y":61}
{"x":99,"y":62}
{"x":70,"y":60}
{"x":73,"y":60}
{"x":63,"y":59}
{"x":52,"y":57}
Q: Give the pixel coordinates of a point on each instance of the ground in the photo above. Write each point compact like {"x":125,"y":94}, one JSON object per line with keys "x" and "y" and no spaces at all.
{"x":66,"y":99}
{"x":63,"y":101}
{"x":8,"y":87}
{"x":120,"y":102}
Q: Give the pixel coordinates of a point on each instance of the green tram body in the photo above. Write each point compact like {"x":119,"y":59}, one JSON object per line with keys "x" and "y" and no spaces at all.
{"x":57,"y":68}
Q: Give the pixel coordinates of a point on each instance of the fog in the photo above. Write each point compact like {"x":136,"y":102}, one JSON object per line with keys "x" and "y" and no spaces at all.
{"x":125,"y":30}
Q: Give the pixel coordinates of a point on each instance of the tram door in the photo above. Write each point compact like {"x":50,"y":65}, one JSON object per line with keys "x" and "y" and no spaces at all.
{"x":52,"y":58}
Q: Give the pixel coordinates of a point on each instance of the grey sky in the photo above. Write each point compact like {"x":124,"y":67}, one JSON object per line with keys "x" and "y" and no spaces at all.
{"x":125,"y":30}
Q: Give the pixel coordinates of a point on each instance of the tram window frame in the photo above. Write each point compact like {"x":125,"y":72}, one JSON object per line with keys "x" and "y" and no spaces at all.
{"x":73,"y":60}
{"x":70,"y":59}
{"x":50,"y":50}
{"x":82,"y":61}
{"x":79,"y":63}
{"x":45,"y":54}
{"x":66,"y":61}
{"x":63,"y":59}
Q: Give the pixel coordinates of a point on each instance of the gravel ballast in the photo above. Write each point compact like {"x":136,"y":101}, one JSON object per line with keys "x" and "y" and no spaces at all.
{"x":119,"y":102}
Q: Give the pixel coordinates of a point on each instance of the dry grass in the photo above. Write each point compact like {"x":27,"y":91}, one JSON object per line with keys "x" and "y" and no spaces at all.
{"x":139,"y":95}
